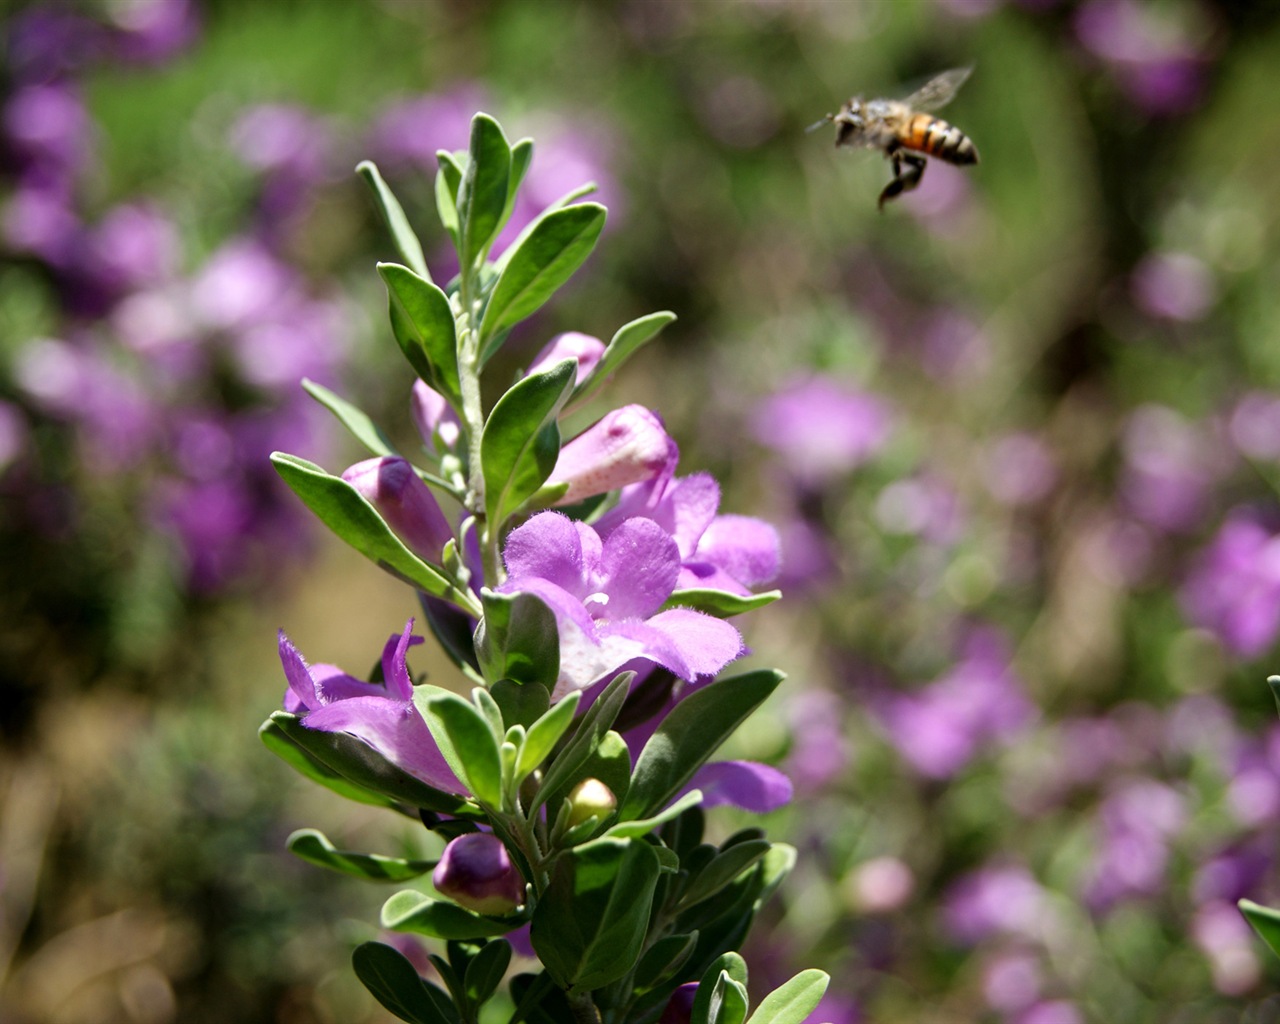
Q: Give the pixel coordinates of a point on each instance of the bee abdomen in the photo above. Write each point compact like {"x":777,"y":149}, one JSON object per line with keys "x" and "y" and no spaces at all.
{"x":936,"y":137}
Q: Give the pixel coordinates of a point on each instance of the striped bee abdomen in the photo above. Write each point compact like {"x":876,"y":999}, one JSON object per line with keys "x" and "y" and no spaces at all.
{"x":936,"y":137}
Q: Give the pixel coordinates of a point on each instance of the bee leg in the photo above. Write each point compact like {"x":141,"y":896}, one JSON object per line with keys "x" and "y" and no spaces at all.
{"x":903,"y":181}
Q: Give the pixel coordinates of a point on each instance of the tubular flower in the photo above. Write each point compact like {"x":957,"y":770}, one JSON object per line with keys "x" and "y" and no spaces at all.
{"x":627,"y":446}
{"x":571,"y":345}
{"x":476,"y":872}
{"x":393,"y":487}
{"x":382,"y":716}
{"x":434,"y":417}
{"x":607,"y":594}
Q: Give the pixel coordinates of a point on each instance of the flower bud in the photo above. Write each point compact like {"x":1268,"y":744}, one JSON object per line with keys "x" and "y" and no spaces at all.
{"x":590,"y":798}
{"x":582,"y":347}
{"x":680,"y":1007}
{"x":476,"y":872}
{"x":393,"y":487}
{"x":627,"y":446}
{"x":434,"y":417}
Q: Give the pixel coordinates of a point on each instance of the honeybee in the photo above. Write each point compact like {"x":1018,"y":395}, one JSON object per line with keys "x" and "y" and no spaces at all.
{"x":905,"y":132}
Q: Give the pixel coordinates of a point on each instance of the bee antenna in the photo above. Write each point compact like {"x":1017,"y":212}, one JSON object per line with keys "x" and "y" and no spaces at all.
{"x":826,"y":119}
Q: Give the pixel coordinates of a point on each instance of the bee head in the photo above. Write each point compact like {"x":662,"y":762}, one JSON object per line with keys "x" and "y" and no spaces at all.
{"x":851,"y":121}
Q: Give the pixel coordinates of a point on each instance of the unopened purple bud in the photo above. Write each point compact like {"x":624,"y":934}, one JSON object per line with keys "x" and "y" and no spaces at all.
{"x":627,"y":446}
{"x":590,"y":798}
{"x":582,"y":347}
{"x":393,"y":487}
{"x":476,"y":872}
{"x":434,"y":417}
{"x":680,"y":1007}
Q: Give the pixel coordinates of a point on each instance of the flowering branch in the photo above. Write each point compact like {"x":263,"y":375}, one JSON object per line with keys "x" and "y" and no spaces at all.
{"x":586,"y":589}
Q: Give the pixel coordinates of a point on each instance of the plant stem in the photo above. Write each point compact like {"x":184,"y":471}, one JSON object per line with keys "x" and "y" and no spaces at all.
{"x":584,"y":1010}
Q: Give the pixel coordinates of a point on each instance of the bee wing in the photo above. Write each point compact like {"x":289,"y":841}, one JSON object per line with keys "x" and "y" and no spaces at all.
{"x":939,"y":90}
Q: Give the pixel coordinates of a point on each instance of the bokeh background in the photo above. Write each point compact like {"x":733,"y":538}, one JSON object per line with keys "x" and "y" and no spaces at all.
{"x":1020,"y":434}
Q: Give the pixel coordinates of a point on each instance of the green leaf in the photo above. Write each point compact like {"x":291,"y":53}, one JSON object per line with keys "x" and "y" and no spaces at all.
{"x":361,"y":764}
{"x":406,"y":241}
{"x":663,"y":959}
{"x":346,"y":512}
{"x":521,"y":442}
{"x":792,"y":1001}
{"x":412,"y":911}
{"x":626,"y":342}
{"x":723,"y":869}
{"x":1265,"y":921}
{"x":521,"y":157}
{"x":545,"y":733}
{"x":518,"y":639}
{"x":719,"y":603}
{"x":467,"y":743}
{"x":486,"y":971}
{"x":521,"y":705}
{"x":448,"y":180}
{"x":424,"y":328}
{"x":630,"y":829}
{"x":315,"y":848}
{"x":590,"y":925}
{"x":555,"y":248}
{"x":395,"y":983}
{"x":727,"y":968}
{"x":690,"y":734}
{"x":482,"y":196}
{"x":591,"y":730}
{"x":355,"y":419}
{"x":275,"y":740}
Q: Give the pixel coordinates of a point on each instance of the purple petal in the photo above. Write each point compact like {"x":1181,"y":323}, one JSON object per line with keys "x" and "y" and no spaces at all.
{"x":705,"y":576}
{"x":626,"y":446}
{"x":706,"y":644}
{"x":746,"y":784}
{"x":395,"y":668}
{"x":567,"y":608}
{"x":395,"y":730}
{"x":548,"y":547}
{"x":572,"y":345}
{"x":639,"y":567}
{"x":745,"y":547}
{"x":693,"y":501}
{"x":332,"y":685}
{"x":302,"y":691}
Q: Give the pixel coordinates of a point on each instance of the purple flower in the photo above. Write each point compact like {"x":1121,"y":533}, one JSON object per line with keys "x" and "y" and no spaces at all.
{"x":997,"y":898}
{"x":730,"y":553}
{"x":1057,"y":1011}
{"x":747,"y":785}
{"x":434,"y":417}
{"x":822,"y":429}
{"x":1255,"y":426}
{"x":48,"y":128}
{"x":940,"y":728}
{"x":382,"y":716}
{"x":821,"y":751}
{"x":1019,"y":470}
{"x":571,"y":345}
{"x":607,"y":592}
{"x":1012,"y":981}
{"x":152,"y":31}
{"x":1138,"y":821}
{"x":411,"y":131}
{"x":393,"y":487}
{"x":679,"y":1008}
{"x":1171,"y":465}
{"x":476,"y":872}
{"x":1173,"y":286}
{"x":1222,"y":933}
{"x":132,"y":247}
{"x":1234,"y":587}
{"x":624,"y":447}
{"x":924,"y":506}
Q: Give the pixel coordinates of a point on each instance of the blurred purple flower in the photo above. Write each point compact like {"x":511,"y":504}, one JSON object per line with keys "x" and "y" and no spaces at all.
{"x":1222,"y":933}
{"x":953,"y":349}
{"x":213,"y":520}
{"x":607,"y":592}
{"x":1153,"y":58}
{"x":1233,"y":873}
{"x":835,"y":1009}
{"x":153,"y":31}
{"x":292,"y":149}
{"x":1255,"y":426}
{"x":880,"y":885}
{"x":1171,"y":465}
{"x":1173,"y":286}
{"x":41,"y":221}
{"x":1012,"y":981}
{"x":408,"y":133}
{"x":48,"y":130}
{"x":240,"y":284}
{"x":381,"y":715}
{"x":1019,"y":469}
{"x":49,"y":42}
{"x":998,"y":898}
{"x":1057,"y":1011}
{"x":941,"y":727}
{"x":1233,"y":588}
{"x":1138,"y":820}
{"x":132,"y":247}
{"x":821,"y":752}
{"x":821,"y":428}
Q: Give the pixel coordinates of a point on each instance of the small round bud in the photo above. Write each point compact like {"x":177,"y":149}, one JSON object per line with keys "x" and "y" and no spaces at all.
{"x":476,"y":872}
{"x":590,"y":798}
{"x":680,"y":1007}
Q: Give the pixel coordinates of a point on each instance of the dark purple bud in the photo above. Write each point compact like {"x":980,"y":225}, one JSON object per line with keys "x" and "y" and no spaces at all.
{"x":476,"y":872}
{"x":680,"y":1008}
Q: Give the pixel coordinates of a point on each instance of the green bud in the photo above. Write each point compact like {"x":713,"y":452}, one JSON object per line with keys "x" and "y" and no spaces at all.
{"x":590,"y":798}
